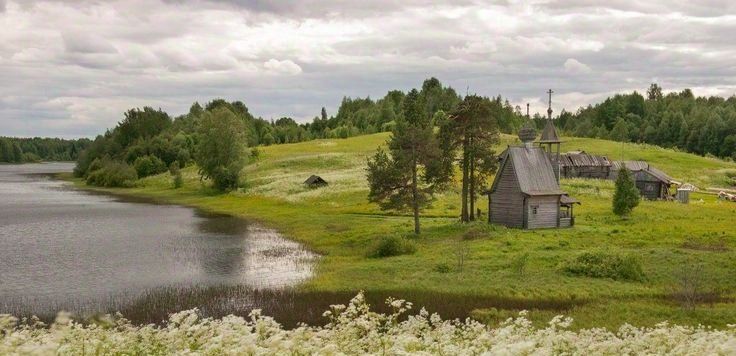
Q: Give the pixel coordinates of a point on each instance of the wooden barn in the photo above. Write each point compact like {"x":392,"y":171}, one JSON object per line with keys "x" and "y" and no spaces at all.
{"x":652,"y":183}
{"x":579,"y":164}
{"x":315,"y":182}
{"x":525,"y":192}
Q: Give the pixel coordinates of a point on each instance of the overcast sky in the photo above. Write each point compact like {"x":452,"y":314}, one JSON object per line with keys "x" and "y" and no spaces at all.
{"x":70,"y":68}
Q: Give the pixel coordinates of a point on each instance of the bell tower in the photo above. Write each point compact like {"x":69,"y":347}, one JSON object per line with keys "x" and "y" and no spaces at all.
{"x":550,"y":141}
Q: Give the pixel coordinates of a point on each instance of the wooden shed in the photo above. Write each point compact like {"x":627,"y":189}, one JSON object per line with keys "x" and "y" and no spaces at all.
{"x":315,"y":182}
{"x":652,"y":183}
{"x":579,"y":164}
{"x":525,"y":193}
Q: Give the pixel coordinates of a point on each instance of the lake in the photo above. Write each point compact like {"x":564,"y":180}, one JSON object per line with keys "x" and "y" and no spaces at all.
{"x":65,"y":248}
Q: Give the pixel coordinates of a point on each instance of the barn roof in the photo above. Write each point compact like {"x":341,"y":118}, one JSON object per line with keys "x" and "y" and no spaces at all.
{"x":636,"y":166}
{"x":584,"y":160}
{"x":549,"y":134}
{"x":315,"y":180}
{"x":533,"y":171}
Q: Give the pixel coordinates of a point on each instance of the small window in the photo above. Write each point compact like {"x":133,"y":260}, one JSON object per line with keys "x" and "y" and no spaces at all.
{"x":534,"y":209}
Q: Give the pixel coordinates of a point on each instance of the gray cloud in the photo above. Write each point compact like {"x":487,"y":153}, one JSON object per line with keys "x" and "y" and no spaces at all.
{"x":70,"y":68}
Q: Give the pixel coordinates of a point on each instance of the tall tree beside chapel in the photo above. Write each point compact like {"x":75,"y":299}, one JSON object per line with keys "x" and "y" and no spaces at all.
{"x":473,"y":129}
{"x":413,"y":168}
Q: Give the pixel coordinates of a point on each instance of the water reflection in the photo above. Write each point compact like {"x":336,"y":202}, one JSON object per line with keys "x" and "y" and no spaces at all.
{"x":63,"y":247}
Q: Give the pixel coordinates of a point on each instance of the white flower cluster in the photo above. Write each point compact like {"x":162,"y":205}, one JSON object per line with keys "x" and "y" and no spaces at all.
{"x":353,"y":329}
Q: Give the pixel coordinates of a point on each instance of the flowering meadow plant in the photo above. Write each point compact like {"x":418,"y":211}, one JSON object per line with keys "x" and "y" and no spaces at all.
{"x":352,"y":329}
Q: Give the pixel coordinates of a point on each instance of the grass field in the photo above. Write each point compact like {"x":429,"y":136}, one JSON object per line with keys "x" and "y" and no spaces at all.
{"x":670,"y":240}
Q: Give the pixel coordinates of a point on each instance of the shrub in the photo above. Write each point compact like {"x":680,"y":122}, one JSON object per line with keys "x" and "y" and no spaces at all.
{"x":176,"y":173}
{"x":518,"y":264}
{"x":148,"y":165}
{"x":112,"y":174}
{"x":626,"y":196}
{"x":604,"y":265}
{"x":442,"y":268}
{"x":392,"y":246}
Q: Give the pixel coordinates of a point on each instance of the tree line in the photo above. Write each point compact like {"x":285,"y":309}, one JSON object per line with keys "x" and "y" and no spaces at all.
{"x":700,"y":125}
{"x":218,"y":135}
{"x":37,"y":149}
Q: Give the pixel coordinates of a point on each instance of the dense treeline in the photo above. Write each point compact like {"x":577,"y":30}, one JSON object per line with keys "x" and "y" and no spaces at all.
{"x":701,"y":125}
{"x":36,"y":149}
{"x":149,"y":141}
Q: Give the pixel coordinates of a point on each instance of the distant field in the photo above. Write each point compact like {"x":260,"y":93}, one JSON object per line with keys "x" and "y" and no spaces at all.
{"x":338,"y":222}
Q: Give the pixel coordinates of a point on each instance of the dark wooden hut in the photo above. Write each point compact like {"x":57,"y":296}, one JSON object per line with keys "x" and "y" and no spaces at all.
{"x":315,"y":182}
{"x":652,"y":183}
{"x":579,"y":164}
{"x":525,"y":192}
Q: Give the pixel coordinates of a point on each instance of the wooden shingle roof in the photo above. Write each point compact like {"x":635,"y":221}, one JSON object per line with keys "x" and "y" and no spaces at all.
{"x":583,"y":159}
{"x":533,"y":171}
{"x":636,"y":166}
{"x":549,"y":134}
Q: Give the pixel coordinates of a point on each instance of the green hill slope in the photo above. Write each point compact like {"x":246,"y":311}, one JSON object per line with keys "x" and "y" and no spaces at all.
{"x":523,"y":269}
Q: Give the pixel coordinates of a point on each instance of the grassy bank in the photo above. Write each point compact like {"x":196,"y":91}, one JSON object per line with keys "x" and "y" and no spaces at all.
{"x":669,"y":240}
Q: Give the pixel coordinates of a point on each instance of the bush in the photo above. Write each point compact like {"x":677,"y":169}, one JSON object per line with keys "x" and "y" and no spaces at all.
{"x":442,"y":268}
{"x":148,"y":165}
{"x":604,"y":265}
{"x":112,"y":174}
{"x":392,"y":246}
{"x":176,"y":173}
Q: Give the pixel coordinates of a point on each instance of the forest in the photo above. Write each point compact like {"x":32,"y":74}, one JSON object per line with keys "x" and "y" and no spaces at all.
{"x":37,"y":149}
{"x":700,"y":125}
{"x":149,"y":141}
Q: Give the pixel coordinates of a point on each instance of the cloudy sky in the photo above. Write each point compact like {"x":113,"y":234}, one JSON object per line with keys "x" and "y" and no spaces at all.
{"x":70,"y":68}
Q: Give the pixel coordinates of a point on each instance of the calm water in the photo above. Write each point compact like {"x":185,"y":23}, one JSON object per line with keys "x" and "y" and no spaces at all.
{"x":65,"y":248}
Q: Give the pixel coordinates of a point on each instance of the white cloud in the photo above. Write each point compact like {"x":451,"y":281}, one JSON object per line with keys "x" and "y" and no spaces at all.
{"x":573,"y":66}
{"x":282,"y":67}
{"x":72,"y":67}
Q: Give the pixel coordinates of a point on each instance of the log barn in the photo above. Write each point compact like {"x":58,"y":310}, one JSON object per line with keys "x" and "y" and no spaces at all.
{"x":652,"y":183}
{"x":579,"y":164}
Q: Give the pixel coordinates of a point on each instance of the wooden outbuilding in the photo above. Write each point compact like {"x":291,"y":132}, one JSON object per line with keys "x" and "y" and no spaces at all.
{"x":525,"y":192}
{"x":652,"y":183}
{"x":315,"y":182}
{"x":579,"y":164}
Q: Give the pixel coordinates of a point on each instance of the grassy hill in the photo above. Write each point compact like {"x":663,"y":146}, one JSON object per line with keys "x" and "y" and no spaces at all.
{"x":520,"y":269}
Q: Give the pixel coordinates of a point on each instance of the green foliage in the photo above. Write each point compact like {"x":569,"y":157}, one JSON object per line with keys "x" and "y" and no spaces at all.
{"x":149,"y":165}
{"x":701,"y":125}
{"x":416,"y":166}
{"x":18,"y":150}
{"x":442,"y":268}
{"x":473,"y":129}
{"x":175,"y":172}
{"x":605,"y":265}
{"x":107,"y":173}
{"x":221,"y":151}
{"x":392,"y":246}
{"x":626,"y":197}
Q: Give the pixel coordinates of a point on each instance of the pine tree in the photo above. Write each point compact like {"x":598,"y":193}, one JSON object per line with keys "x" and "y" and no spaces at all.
{"x":626,"y":197}
{"x":414,"y":168}
{"x":474,"y":130}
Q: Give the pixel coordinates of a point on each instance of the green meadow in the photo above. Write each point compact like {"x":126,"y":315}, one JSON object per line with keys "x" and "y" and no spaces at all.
{"x":683,"y":250}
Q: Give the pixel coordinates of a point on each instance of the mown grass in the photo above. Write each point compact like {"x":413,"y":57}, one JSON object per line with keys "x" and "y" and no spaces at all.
{"x":338,"y":222}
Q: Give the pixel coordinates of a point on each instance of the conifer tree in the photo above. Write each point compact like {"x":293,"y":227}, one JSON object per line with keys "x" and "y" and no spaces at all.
{"x":413,"y":168}
{"x":626,"y":197}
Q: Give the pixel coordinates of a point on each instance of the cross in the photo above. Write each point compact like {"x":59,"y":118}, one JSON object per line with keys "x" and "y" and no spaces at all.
{"x":549,"y":109}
